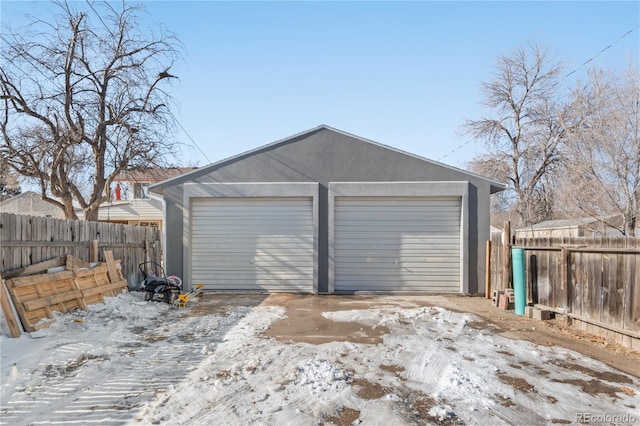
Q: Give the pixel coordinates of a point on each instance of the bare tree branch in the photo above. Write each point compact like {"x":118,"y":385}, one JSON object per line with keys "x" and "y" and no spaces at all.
{"x":83,"y":99}
{"x":603,"y":153}
{"x":525,"y":134}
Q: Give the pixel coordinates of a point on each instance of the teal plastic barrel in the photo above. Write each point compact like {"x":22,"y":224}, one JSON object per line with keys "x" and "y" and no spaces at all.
{"x":519,"y":289}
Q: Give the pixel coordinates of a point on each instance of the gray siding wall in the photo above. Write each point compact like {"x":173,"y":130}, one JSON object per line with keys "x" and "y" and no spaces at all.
{"x":326,"y":156}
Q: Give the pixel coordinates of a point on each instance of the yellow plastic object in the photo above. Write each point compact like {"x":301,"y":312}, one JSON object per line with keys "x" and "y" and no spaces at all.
{"x":183,"y":298}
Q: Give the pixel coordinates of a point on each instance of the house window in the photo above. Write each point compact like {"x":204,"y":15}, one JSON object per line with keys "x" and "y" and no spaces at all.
{"x":151,"y":224}
{"x":140,"y":190}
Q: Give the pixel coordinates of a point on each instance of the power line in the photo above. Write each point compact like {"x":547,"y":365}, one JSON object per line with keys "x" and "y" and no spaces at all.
{"x":603,"y":50}
{"x":564,"y":78}
{"x":192,"y":140}
{"x":455,"y":150}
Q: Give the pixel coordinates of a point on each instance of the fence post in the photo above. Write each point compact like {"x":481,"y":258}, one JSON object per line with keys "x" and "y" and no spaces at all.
{"x":147,"y":250}
{"x":487,"y":272}
{"x":506,"y":255}
{"x":93,"y":251}
{"x":564,"y":276}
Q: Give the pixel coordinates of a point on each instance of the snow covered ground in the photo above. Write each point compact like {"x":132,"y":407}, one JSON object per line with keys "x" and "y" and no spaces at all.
{"x":135,"y":362}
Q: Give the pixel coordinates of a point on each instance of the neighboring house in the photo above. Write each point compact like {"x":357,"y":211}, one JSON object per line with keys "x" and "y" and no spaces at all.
{"x":31,"y":203}
{"x":577,"y":227}
{"x":329,"y":212}
{"x":132,"y":203}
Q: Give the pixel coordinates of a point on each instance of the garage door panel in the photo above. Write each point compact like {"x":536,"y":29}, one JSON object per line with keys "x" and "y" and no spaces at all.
{"x":252,"y":244}
{"x":248,"y":228}
{"x":374,"y":263}
{"x":240,"y":246}
{"x":405,"y":278}
{"x":230,"y":277}
{"x":442,"y":286}
{"x":383,"y":244}
{"x":227,"y":261}
{"x":395,"y":252}
{"x":239,"y":240}
{"x":264,"y":285}
{"x":397,"y":225}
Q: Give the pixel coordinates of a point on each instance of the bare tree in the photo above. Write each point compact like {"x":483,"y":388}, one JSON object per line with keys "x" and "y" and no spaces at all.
{"x":83,"y":99}
{"x":9,"y":184}
{"x":603,"y":154}
{"x":524,"y":132}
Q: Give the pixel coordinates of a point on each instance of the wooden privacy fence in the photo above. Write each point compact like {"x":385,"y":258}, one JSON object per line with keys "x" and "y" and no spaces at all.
{"x":595,"y":280}
{"x":27,"y":240}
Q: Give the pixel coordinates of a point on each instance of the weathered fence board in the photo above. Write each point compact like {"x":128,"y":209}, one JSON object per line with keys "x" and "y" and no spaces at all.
{"x":603,"y":277}
{"x":27,"y":240}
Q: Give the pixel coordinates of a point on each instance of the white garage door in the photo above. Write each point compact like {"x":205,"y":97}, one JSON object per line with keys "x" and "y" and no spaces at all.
{"x":397,"y":244}
{"x":252,"y":244}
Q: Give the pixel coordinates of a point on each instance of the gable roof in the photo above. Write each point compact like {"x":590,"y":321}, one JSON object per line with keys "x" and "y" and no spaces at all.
{"x":570,"y":223}
{"x":31,"y":203}
{"x":159,"y":187}
{"x":152,"y":175}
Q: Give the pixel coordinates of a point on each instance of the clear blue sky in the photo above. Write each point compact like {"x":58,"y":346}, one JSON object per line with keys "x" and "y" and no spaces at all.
{"x":406,"y":74}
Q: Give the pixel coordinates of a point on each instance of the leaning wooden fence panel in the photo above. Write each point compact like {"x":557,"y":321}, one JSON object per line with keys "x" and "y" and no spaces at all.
{"x":36,"y":297}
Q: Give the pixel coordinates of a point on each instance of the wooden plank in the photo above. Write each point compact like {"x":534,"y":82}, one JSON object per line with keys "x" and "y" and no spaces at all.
{"x":55,"y":299}
{"x":102,"y":278}
{"x":618,"y":287}
{"x":80,"y":301}
{"x":25,"y":229}
{"x":16,"y":255}
{"x":36,"y":226}
{"x":487,"y":271}
{"x":7,"y":310}
{"x":111,"y":265}
{"x":564,"y":279}
{"x":631,"y":289}
{"x":36,"y":268}
{"x":104,"y":289}
{"x":580,"y":283}
{"x":40,"y":279}
{"x":22,"y":312}
{"x":544,"y":276}
{"x":98,"y":269}
{"x":93,"y":251}
{"x":606,"y":287}
{"x":42,"y":325}
{"x":41,"y":294}
{"x":73,"y":263}
{"x":506,"y":256}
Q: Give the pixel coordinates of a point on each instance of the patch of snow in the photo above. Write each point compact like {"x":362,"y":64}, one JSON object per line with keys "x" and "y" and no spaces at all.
{"x":133,"y":362}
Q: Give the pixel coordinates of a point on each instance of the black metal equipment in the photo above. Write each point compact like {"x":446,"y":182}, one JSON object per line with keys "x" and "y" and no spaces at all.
{"x":159,"y":287}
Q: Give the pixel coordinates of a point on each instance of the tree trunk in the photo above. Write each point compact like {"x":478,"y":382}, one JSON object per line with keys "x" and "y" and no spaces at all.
{"x":69,"y":210}
{"x":91,"y":213}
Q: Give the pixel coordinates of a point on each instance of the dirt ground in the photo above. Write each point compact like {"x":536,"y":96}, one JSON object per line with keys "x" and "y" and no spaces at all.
{"x":305,"y":323}
{"x":554,"y":332}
